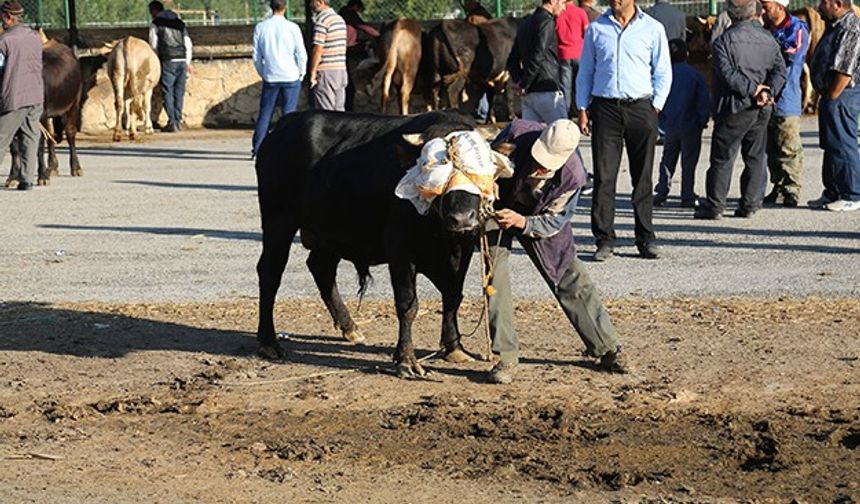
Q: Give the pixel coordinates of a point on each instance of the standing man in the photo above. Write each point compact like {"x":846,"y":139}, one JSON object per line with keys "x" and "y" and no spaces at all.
{"x":625,"y":75}
{"x":21,"y":89}
{"x":169,"y":38}
{"x":355,"y":50}
{"x":281,"y":60}
{"x":784,"y":148}
{"x":533,"y":64}
{"x":535,"y":207}
{"x":836,"y":75}
{"x":328,"y":59}
{"x":748,"y":73}
{"x":570,"y":28}
{"x":590,"y":11}
{"x":673,"y":20}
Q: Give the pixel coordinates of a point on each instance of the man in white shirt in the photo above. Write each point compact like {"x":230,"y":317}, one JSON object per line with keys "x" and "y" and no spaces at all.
{"x":169,"y":37}
{"x":281,"y":59}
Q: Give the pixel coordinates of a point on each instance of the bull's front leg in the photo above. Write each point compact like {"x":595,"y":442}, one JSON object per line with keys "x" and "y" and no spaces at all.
{"x":454,"y":351}
{"x":406,"y":305}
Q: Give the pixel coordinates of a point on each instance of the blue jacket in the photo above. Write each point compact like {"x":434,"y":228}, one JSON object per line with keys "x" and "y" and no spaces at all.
{"x":793,"y":39}
{"x":689,"y":103}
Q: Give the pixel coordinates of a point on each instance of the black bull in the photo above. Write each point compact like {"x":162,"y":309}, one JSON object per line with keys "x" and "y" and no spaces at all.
{"x":332,"y":176}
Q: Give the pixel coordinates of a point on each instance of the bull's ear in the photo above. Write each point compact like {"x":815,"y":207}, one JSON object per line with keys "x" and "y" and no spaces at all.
{"x":505,"y":148}
{"x":416,"y":139}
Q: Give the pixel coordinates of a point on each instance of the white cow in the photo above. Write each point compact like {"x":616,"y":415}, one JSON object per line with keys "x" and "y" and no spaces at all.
{"x":134,"y":71}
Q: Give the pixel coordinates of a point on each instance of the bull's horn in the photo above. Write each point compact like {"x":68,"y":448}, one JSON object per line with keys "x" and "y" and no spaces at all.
{"x":416,"y":139}
{"x":43,"y":36}
{"x":701,"y":20}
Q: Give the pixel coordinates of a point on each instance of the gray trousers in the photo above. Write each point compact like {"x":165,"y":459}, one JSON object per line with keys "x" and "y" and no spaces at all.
{"x":575,"y":293}
{"x":26,"y":120}
{"x":330,"y":91}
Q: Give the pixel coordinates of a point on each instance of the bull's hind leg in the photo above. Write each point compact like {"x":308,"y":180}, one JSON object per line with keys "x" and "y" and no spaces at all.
{"x":278,"y":233}
{"x":71,"y":129}
{"x":323,"y":266}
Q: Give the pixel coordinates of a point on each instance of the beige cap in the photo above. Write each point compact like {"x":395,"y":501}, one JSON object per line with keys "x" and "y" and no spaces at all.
{"x":784,"y":3}
{"x":556,"y":143}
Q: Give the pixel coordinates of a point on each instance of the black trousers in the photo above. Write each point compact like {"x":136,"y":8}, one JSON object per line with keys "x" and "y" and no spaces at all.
{"x":616,"y":124}
{"x":745,"y":131}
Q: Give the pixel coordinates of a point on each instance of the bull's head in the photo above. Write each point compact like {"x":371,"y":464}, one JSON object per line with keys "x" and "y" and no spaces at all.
{"x":455,"y":177}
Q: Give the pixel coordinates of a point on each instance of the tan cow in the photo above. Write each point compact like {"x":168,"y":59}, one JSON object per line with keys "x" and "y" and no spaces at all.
{"x":401,"y":59}
{"x":134,"y":71}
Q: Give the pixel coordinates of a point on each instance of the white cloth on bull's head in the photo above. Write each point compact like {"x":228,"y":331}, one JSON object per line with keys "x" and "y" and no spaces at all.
{"x":462,"y":161}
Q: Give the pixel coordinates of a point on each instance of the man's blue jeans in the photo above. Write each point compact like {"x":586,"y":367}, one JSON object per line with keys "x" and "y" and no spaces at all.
{"x":273,"y":92}
{"x":837,"y":133}
{"x":686,"y":144}
{"x":173,"y":76}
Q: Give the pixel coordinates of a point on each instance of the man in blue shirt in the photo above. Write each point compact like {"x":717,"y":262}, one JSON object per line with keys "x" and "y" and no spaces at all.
{"x":281,"y":59}
{"x":683,"y":119}
{"x":784,"y":148}
{"x":624,"y":79}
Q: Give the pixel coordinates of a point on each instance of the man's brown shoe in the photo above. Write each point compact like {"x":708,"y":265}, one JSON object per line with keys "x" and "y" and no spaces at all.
{"x":614,"y":362}
{"x":502,"y":373}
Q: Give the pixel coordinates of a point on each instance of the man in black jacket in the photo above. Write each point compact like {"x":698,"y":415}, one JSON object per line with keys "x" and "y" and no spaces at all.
{"x":533,"y":64}
{"x":749,"y":72}
{"x":169,"y":38}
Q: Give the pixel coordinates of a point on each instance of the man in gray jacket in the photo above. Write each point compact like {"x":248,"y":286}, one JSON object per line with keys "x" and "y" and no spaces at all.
{"x":21,"y":89}
{"x":673,"y":20}
{"x":749,"y":72}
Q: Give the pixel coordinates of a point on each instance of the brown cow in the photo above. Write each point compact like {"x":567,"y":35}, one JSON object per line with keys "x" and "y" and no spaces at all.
{"x":61,"y":73}
{"x":134,"y":71}
{"x":401,"y":43}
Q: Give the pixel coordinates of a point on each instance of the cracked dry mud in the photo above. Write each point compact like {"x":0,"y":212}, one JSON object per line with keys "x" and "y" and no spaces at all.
{"x":732,"y":401}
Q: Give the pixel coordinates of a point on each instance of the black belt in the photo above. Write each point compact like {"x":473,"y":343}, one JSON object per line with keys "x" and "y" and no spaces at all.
{"x":623,"y":101}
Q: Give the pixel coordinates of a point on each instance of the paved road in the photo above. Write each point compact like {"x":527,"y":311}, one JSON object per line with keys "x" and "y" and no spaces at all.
{"x":175,"y":218}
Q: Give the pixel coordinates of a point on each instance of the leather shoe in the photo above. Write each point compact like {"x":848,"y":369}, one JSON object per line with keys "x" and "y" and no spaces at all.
{"x":707,"y":213}
{"x":744,"y":213}
{"x":502,"y":373}
{"x":659,"y":199}
{"x":773,"y":197}
{"x":25,"y":186}
{"x":614,"y":362}
{"x":603,"y":253}
{"x":790,"y":201}
{"x":648,"y":250}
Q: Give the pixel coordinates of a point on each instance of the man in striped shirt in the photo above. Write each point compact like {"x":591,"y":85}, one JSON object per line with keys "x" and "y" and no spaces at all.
{"x":328,"y":60}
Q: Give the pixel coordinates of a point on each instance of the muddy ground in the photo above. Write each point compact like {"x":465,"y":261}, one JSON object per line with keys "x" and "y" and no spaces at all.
{"x":732,"y":400}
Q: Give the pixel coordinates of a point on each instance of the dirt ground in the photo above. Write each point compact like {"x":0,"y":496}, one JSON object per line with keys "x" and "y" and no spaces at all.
{"x":731,"y":401}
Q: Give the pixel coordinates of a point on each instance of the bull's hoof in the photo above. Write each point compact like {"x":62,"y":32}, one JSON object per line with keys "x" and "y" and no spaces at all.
{"x":117,"y":137}
{"x":77,"y":172}
{"x":11,"y":183}
{"x":272,"y":352}
{"x":353,"y":336}
{"x":410,"y":370}
{"x":42,"y":182}
{"x":459,"y":356}
{"x":149,"y":131}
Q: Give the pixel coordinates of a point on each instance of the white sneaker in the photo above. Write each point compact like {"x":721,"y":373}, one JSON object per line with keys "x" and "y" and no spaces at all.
{"x":821,"y":202}
{"x":843,"y":206}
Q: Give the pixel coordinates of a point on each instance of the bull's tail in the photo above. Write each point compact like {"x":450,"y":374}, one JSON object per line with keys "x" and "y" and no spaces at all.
{"x":365,"y":280}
